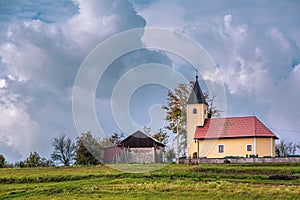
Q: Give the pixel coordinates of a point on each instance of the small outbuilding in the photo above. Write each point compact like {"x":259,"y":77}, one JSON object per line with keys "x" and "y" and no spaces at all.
{"x":136,"y":148}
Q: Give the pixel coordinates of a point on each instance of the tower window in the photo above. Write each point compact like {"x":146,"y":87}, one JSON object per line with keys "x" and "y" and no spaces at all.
{"x":195,"y":111}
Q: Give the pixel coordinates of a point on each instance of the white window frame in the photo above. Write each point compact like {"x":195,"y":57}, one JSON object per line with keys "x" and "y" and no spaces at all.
{"x":219,"y":148}
{"x":247,"y":147}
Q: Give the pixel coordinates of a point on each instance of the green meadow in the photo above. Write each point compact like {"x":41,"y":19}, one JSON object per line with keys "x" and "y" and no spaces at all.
{"x":207,"y":181}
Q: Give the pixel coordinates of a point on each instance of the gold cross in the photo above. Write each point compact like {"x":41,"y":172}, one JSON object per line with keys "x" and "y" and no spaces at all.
{"x":226,"y":125}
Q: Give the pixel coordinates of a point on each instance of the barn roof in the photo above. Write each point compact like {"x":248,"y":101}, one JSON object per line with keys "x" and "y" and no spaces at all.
{"x":140,"y":139}
{"x":233,"y":127}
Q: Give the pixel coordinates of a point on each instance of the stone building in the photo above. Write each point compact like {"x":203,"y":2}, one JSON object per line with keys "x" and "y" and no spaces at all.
{"x":136,"y":148}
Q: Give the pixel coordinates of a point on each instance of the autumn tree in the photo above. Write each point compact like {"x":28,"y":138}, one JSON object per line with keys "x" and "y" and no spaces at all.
{"x":64,"y":150}
{"x":161,"y":136}
{"x":176,"y":114}
{"x":89,"y":150}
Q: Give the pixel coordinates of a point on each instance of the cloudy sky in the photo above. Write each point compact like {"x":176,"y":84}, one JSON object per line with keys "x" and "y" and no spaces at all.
{"x":254,"y":44}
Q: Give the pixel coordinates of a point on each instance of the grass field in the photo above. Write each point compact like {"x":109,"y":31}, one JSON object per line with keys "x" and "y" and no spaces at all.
{"x":206,"y":181}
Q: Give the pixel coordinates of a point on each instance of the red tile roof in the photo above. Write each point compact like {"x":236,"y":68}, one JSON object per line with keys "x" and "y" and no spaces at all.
{"x":233,"y":127}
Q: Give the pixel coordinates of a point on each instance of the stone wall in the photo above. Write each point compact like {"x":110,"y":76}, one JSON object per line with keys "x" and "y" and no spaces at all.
{"x":239,"y":160}
{"x":139,"y":155}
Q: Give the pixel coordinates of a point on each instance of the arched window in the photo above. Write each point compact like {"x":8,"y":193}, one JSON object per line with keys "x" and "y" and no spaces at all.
{"x":195,"y":111}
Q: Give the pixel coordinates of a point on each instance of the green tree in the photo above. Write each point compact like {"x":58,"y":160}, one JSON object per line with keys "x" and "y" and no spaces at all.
{"x":176,"y":114}
{"x":2,"y":161}
{"x":284,"y":149}
{"x":34,"y":160}
{"x":64,"y":150}
{"x":89,"y":151}
{"x":161,"y":136}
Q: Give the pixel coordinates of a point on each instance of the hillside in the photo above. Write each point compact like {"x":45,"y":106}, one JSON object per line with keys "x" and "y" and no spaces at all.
{"x":209,"y":181}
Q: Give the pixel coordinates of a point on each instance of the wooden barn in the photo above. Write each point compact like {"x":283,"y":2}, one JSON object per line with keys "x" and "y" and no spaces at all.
{"x":136,"y":148}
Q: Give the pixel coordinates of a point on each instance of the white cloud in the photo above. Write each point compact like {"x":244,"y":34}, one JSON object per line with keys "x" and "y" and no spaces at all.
{"x":40,"y":56}
{"x":3,"y":83}
{"x":17,"y":130}
{"x":255,"y":49}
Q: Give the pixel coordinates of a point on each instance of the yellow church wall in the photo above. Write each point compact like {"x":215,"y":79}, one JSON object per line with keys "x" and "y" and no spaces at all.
{"x":232,"y":147}
{"x":194,"y":120}
{"x":265,"y":147}
{"x":236,"y":147}
{"x":192,"y":148}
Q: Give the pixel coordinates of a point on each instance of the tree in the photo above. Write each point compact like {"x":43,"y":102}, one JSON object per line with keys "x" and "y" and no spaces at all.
{"x":176,"y":114}
{"x":147,"y":130}
{"x":64,"y":150}
{"x":89,"y":151}
{"x":161,"y":136}
{"x":34,"y":160}
{"x":116,"y":138}
{"x":284,"y":149}
{"x":170,"y":155}
{"x":20,"y":164}
{"x":44,"y":162}
{"x":2,"y":161}
{"x":212,"y":110}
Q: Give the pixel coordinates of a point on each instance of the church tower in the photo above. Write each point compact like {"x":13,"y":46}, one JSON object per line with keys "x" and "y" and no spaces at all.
{"x":197,"y":112}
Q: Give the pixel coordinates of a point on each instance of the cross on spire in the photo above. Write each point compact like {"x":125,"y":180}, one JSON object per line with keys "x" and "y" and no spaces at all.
{"x":196,"y":96}
{"x":196,"y":74}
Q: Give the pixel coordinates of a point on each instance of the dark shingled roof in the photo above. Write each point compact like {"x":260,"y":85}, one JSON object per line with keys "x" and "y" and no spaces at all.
{"x":140,"y":139}
{"x":196,"y":96}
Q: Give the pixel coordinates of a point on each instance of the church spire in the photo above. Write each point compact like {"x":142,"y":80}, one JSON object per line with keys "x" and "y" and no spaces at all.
{"x":196,"y":96}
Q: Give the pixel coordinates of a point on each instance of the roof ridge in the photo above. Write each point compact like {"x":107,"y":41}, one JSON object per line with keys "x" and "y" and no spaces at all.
{"x":139,"y":131}
{"x":232,"y":117}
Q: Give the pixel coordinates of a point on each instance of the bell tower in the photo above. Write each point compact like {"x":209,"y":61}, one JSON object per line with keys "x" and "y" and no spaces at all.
{"x":197,"y":112}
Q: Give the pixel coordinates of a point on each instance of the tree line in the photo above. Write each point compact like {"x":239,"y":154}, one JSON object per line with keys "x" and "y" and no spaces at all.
{"x":88,"y":150}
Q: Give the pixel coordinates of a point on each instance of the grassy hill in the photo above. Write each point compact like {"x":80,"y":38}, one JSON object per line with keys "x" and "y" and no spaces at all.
{"x":208,"y":181}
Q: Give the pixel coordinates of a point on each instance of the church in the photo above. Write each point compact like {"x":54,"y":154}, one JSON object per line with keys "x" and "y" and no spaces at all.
{"x":224,"y":137}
